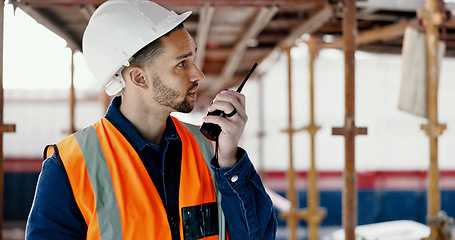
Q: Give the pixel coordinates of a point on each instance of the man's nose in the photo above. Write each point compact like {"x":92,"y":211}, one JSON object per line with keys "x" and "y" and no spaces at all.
{"x":196,"y":74}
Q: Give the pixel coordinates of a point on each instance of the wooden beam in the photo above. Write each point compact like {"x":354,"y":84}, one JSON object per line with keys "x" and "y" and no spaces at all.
{"x":2,"y":9}
{"x":432,"y":17}
{"x":379,"y":17}
{"x":198,"y":3}
{"x":291,"y":218}
{"x":261,"y":133}
{"x":87,"y":11}
{"x":402,"y":5}
{"x":314,"y":214}
{"x":311,"y":25}
{"x":349,"y":131}
{"x":49,"y":24}
{"x":268,"y":61}
{"x":391,"y":31}
{"x":293,"y":215}
{"x":71,"y":100}
{"x":205,"y":20}
{"x":381,"y":48}
{"x":349,"y":201}
{"x":314,"y":23}
{"x":3,"y":127}
{"x":262,"y":19}
{"x":221,"y":54}
{"x":283,"y":23}
{"x":366,"y":11}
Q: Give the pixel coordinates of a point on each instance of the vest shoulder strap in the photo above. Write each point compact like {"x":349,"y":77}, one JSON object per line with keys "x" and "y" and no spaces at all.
{"x":49,"y":150}
{"x":207,"y":151}
{"x":204,"y":144}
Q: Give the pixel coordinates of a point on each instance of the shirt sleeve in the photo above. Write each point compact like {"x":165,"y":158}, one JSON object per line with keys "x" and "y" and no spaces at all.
{"x":246,"y":205}
{"x":54,"y":213}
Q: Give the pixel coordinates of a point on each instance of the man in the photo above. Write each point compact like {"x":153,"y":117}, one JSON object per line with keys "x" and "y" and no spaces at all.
{"x":139,"y":173}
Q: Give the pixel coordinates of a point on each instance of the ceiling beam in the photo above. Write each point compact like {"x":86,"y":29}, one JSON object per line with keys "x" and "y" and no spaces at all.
{"x":87,"y":11}
{"x":311,"y":25}
{"x":221,"y":54}
{"x":52,"y":26}
{"x":370,"y":14}
{"x":315,"y":22}
{"x":381,"y":48}
{"x":391,"y":31}
{"x":262,"y":19}
{"x":402,"y":5}
{"x":205,"y":20}
{"x":199,"y":3}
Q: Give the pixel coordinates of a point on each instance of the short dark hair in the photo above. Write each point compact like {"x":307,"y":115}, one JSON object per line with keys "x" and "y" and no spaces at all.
{"x":149,"y":53}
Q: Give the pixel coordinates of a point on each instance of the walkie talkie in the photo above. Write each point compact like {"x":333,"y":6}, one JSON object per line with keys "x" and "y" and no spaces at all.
{"x":211,"y":130}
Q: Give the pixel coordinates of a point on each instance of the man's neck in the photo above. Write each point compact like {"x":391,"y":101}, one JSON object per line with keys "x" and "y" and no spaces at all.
{"x":151,"y":123}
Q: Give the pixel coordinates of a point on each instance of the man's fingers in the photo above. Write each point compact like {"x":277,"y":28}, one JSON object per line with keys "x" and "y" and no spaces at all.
{"x":228,"y":101}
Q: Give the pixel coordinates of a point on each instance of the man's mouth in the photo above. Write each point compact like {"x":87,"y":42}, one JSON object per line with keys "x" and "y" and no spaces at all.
{"x":192,"y":94}
{"x":192,"y":91}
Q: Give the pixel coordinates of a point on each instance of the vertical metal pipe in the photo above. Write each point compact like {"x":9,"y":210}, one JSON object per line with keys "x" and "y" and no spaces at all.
{"x":261,"y":127}
{"x":312,"y":194}
{"x":1,"y":117}
{"x":312,"y":189}
{"x":432,"y":41}
{"x":3,"y":127}
{"x":291,"y":220}
{"x":72,"y":100}
{"x":349,"y":174}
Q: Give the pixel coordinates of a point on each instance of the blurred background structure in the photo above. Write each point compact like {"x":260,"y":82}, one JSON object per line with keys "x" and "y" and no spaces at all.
{"x":330,"y":70}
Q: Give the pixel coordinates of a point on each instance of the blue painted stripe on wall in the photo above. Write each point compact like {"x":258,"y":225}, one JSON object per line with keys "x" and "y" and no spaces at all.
{"x":373,"y":205}
{"x":379,"y":206}
{"x":19,"y":189}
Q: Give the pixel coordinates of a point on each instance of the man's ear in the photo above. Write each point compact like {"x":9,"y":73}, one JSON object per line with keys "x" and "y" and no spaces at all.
{"x":136,"y":75}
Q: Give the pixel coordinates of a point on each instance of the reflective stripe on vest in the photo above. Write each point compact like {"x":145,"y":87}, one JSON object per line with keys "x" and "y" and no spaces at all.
{"x":115,"y":193}
{"x":101,"y":182}
{"x":207,"y":150}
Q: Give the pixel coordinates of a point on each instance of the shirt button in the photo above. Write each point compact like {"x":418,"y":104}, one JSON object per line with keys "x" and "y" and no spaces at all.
{"x":234,"y":178}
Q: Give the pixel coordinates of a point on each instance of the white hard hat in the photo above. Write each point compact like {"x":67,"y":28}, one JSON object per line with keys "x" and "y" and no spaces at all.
{"x":117,"y":30}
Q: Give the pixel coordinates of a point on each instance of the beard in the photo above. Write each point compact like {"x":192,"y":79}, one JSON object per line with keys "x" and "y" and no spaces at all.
{"x":170,"y":97}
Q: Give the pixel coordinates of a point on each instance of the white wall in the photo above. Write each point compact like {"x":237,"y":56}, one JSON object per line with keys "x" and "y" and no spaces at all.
{"x":394,"y":140}
{"x":41,"y":117}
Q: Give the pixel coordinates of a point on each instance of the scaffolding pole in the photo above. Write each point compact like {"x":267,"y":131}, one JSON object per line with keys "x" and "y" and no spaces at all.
{"x":349,"y":131}
{"x":3,"y":127}
{"x":291,"y":216}
{"x":314,"y":214}
{"x":72,"y":100}
{"x":432,"y":17}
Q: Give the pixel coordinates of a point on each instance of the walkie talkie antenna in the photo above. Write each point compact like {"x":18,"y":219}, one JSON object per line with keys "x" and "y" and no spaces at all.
{"x":246,"y":78}
{"x":211,"y":130}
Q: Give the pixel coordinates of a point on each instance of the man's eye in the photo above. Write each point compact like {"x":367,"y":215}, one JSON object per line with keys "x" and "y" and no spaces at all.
{"x":181,"y":64}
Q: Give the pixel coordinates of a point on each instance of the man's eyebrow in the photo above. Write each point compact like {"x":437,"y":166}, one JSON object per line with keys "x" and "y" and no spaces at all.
{"x":183,"y":56}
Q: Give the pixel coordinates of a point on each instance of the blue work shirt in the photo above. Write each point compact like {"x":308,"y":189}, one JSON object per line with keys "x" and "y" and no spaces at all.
{"x":247,"y":207}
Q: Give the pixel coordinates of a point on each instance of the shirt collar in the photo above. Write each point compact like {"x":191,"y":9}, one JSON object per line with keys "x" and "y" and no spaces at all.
{"x":138,"y":141}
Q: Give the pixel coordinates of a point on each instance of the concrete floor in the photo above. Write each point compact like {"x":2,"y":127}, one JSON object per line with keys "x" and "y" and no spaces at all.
{"x":13,"y":230}
{"x":16,"y":231}
{"x":282,"y":232}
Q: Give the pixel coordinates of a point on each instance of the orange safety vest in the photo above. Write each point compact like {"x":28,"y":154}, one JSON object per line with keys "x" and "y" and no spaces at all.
{"x":117,"y":197}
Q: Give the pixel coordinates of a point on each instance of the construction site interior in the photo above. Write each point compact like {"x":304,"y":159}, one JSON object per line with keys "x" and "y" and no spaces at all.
{"x":351,"y":132}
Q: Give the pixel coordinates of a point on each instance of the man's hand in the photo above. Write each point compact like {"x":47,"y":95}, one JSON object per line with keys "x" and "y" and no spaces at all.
{"x":231,"y":127}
